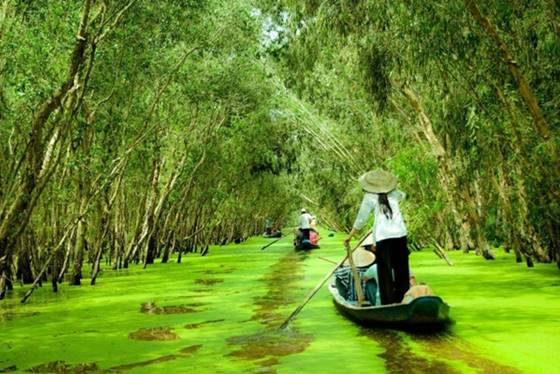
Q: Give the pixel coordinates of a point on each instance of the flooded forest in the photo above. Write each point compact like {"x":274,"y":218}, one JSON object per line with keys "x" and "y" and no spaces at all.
{"x":146,"y":146}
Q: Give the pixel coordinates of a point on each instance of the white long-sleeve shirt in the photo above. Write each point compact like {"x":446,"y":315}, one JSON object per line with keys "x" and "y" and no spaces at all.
{"x":305,"y":221}
{"x":383,"y":227}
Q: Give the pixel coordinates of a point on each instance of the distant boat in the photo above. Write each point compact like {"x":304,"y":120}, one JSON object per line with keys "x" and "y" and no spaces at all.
{"x":422,"y":312}
{"x":304,"y":244}
{"x":276,"y":234}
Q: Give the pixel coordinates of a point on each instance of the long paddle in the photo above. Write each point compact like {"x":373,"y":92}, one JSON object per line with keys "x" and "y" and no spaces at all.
{"x":269,"y":244}
{"x":318,"y":287}
{"x":355,"y":275}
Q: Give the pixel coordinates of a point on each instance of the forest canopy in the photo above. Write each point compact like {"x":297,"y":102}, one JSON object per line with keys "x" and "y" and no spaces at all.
{"x":134,"y":130}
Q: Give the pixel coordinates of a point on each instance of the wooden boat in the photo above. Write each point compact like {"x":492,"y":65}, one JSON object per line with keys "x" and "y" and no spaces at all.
{"x":276,"y":234}
{"x":304,"y":245}
{"x":422,"y":312}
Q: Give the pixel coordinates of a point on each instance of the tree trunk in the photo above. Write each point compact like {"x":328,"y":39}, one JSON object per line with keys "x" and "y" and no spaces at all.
{"x":100,"y":244}
{"x":17,"y":217}
{"x":80,"y":239}
{"x":541,"y":125}
{"x":446,"y":177}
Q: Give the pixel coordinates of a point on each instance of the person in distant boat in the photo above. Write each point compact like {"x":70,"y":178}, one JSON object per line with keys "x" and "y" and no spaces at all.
{"x":268,"y":226}
{"x":313,"y":223}
{"x":313,"y":232}
{"x":367,"y":269}
{"x":314,"y":236}
{"x":389,"y":232}
{"x":305,"y":223}
{"x":416,"y":290}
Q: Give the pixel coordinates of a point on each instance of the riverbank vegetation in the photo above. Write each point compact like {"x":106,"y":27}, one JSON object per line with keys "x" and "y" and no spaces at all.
{"x":134,"y":130}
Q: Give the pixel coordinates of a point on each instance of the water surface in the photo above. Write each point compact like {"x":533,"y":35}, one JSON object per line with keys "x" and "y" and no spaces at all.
{"x":220,"y":313}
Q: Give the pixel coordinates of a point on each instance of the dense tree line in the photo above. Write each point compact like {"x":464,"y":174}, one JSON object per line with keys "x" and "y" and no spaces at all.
{"x":459,"y":98}
{"x":131,"y":130}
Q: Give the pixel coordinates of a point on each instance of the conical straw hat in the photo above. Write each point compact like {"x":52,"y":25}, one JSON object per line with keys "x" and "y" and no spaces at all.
{"x":362,"y":258}
{"x":378,"y":181}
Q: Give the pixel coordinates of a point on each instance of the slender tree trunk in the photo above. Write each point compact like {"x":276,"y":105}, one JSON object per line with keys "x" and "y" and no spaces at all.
{"x":100,"y":243}
{"x":446,"y":176}
{"x":15,"y":219}
{"x":147,"y":220}
{"x":541,"y":125}
{"x":526,"y":240}
{"x":80,"y":242}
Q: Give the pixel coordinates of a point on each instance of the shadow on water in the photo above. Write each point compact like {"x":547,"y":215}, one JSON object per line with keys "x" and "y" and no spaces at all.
{"x":438,"y":348}
{"x":399,"y":356}
{"x":8,"y":369}
{"x":453,"y":348}
{"x":265,"y":347}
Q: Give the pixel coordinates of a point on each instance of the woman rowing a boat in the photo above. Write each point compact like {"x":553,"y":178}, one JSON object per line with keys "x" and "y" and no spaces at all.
{"x":389,"y":232}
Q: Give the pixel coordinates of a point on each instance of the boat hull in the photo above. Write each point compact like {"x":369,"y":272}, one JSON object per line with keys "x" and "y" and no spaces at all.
{"x":424,"y":311}
{"x":275,"y":235}
{"x":305,"y":247}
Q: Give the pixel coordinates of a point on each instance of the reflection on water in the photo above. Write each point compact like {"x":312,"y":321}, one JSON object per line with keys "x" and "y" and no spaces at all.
{"x":265,"y":346}
{"x":399,"y":357}
{"x":453,"y":348}
{"x":437,"y":350}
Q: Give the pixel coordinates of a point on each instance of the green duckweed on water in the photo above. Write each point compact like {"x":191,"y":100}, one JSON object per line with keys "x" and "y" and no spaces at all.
{"x":220,"y":314}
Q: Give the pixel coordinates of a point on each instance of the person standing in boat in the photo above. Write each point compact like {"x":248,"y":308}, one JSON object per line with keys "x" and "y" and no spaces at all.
{"x":305,"y":223}
{"x":389,"y":232}
{"x":268,"y":226}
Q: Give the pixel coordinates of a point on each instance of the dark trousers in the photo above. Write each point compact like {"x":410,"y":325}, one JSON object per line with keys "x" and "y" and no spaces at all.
{"x":305,"y":233}
{"x":392,"y":259}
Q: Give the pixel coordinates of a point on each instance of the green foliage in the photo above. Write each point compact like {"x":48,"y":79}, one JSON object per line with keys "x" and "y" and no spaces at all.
{"x":193,"y":121}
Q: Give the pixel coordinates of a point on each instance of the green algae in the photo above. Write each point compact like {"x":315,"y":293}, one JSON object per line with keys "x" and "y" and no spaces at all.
{"x":154,"y":333}
{"x":266,"y":346}
{"x":185,"y":352}
{"x":506,"y":318}
{"x":197,"y":325}
{"x":151,"y":308}
{"x":208,"y":282}
{"x":399,"y":357}
{"x":64,"y":368}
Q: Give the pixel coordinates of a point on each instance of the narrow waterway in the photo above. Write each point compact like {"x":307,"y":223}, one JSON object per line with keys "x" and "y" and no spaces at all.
{"x":220,"y":314}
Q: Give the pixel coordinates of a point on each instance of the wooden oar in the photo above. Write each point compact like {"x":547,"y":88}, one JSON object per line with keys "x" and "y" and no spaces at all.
{"x":355,"y":275}
{"x":318,"y":287}
{"x":269,"y":244}
{"x":326,"y":259}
